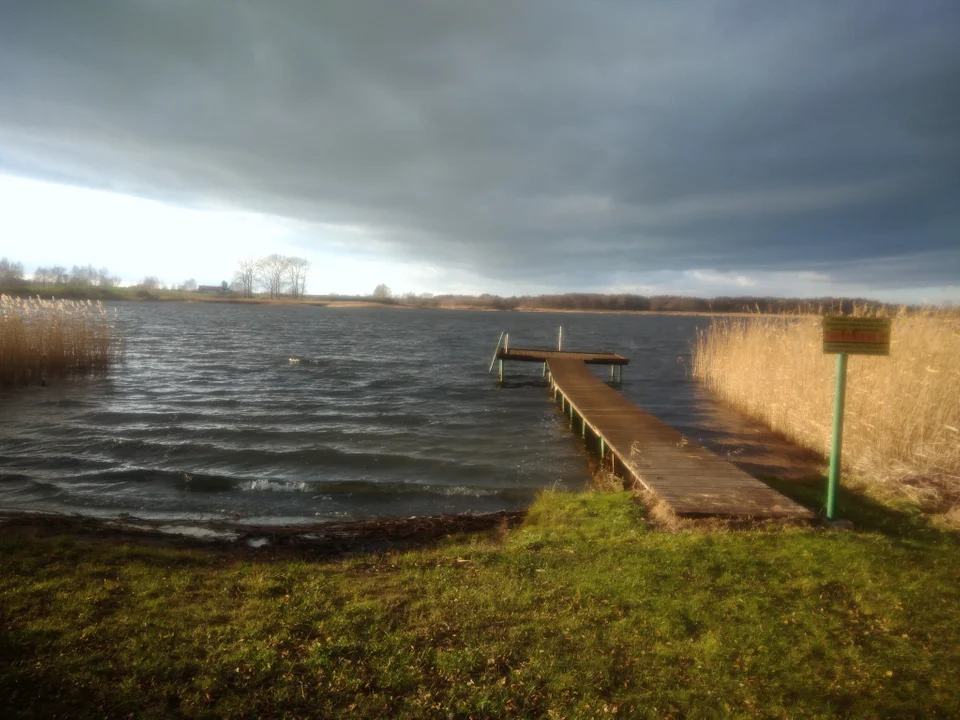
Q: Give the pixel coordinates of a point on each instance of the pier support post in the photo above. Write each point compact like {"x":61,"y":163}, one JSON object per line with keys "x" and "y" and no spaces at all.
{"x":613,"y":369}
{"x":602,"y":448}
{"x":583,"y":426}
{"x":544,"y":370}
{"x":501,"y":369}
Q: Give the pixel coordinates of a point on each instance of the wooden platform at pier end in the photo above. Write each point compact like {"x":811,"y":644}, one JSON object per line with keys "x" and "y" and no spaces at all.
{"x":590,"y":358}
{"x":690,"y":478}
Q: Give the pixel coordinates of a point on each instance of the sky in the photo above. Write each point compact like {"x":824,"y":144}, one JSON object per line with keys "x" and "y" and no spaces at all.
{"x":706,"y":148}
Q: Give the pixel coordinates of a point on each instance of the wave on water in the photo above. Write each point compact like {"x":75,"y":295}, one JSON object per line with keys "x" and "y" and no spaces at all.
{"x":273,"y":486}
{"x":356,"y":488}
{"x":467,"y":491}
{"x":307,"y":361}
{"x":289,"y":412}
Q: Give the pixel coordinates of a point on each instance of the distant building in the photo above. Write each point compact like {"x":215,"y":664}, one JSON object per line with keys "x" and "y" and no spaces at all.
{"x":210,"y":289}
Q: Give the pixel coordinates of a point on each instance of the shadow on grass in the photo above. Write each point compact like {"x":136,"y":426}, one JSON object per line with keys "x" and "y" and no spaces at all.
{"x":863,"y":511}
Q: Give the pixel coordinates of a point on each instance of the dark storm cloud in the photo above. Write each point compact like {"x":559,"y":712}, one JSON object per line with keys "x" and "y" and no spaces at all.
{"x":550,"y":141}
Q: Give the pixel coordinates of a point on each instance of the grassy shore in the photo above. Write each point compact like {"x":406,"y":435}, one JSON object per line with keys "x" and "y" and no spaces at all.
{"x":583,"y":611}
{"x":902,"y":428}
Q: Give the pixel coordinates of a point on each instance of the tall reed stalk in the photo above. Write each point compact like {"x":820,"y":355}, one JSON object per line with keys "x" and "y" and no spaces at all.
{"x":40,"y":339}
{"x":902,"y":429}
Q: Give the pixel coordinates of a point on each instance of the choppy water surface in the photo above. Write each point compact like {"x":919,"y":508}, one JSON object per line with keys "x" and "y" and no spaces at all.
{"x":289,"y":414}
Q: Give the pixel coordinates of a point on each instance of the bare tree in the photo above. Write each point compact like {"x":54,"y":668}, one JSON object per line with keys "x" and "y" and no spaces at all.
{"x":43,"y":276}
{"x":151,"y":282}
{"x":59,"y":273}
{"x":246,"y":277}
{"x":382,"y":292}
{"x":271,"y":271}
{"x":80,"y":275}
{"x":188,"y":285}
{"x":105,"y":279}
{"x":297,"y":275}
{"x":11,"y":273}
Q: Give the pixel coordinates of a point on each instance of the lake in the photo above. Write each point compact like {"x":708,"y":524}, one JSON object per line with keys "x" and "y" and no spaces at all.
{"x":273,"y":414}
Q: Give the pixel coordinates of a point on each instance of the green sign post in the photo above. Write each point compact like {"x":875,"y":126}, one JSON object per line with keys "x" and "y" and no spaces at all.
{"x":845,"y":336}
{"x":836,"y":441}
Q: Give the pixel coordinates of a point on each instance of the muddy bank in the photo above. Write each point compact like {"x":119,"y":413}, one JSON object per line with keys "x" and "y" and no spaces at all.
{"x":326,"y":539}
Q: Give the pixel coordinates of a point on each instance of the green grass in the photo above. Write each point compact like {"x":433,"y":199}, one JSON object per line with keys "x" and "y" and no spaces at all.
{"x":104,"y":294}
{"x":584,"y":611}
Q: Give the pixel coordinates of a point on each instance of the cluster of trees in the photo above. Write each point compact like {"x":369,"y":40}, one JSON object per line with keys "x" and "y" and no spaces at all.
{"x":274,"y":275}
{"x":383,"y":294}
{"x":88,"y":276}
{"x":11,"y":273}
{"x":12,"y":276}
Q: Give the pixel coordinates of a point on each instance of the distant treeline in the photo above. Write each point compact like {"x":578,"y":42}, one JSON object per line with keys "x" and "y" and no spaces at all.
{"x":641,"y":303}
{"x":278,"y":276}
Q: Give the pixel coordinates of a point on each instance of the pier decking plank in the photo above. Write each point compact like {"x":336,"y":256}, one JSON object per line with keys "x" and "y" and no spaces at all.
{"x":690,"y":478}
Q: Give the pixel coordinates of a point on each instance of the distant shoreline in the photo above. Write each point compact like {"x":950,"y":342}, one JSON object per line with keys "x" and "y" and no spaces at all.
{"x":177,"y":297}
{"x":591,"y":303}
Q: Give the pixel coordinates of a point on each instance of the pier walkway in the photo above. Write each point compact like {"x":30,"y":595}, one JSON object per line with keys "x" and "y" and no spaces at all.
{"x":688,"y":477}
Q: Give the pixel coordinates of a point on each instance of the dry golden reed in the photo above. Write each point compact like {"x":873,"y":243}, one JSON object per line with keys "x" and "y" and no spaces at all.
{"x":46,"y":338}
{"x":902,"y":427}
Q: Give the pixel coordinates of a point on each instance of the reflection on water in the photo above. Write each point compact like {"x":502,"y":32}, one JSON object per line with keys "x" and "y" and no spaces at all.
{"x":276,"y":414}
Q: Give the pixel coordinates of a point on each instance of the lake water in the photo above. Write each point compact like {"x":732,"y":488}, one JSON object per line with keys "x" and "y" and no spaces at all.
{"x":302,"y":414}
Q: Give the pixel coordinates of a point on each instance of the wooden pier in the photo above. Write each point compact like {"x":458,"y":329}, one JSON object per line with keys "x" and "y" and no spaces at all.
{"x":632,"y":442}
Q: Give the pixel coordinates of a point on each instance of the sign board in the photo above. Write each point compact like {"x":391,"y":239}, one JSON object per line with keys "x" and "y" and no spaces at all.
{"x":856,"y":335}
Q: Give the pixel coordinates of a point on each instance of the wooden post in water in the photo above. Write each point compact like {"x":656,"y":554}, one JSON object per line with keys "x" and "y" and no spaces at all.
{"x":497,"y":350}
{"x":613,"y":369}
{"x":506,"y":343}
{"x":560,"y":339}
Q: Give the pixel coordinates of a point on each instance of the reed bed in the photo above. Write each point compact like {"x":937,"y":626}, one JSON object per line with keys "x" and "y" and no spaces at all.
{"x":902,"y":421}
{"x":40,"y":339}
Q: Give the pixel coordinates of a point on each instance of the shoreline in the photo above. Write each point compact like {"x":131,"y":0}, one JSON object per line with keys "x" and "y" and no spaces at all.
{"x":586,"y":605}
{"x":171,"y":296}
{"x":371,"y":304}
{"x":327,"y":539}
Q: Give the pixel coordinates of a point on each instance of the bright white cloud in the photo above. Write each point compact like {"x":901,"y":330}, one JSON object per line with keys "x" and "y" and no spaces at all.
{"x":47,"y":224}
{"x":44,"y":224}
